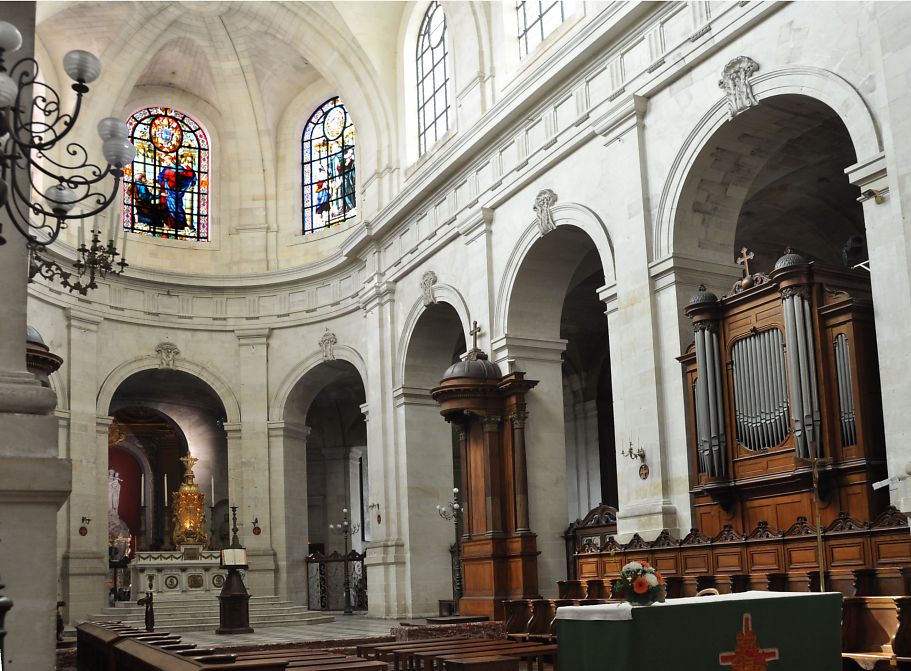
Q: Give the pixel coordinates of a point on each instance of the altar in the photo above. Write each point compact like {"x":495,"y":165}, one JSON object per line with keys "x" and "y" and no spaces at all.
{"x":189,"y":571}
{"x":748,"y":631}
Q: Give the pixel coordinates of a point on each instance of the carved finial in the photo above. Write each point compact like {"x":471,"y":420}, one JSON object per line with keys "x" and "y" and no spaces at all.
{"x":427,"y":281}
{"x":188,"y":462}
{"x":744,"y":260}
{"x":735,"y":82}
{"x":167,"y":352}
{"x":327,"y":342}
{"x":544,"y":203}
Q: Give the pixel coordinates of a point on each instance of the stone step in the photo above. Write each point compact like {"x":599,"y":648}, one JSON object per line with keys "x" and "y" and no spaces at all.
{"x":198,"y":607}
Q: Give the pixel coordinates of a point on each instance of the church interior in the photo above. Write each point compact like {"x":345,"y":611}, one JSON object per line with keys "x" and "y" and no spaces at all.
{"x":405,"y":334}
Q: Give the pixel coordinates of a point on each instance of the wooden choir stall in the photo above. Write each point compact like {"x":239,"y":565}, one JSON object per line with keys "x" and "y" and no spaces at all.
{"x":499,"y":551}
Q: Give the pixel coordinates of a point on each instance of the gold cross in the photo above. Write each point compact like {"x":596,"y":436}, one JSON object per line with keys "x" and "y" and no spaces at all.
{"x":744,"y":260}
{"x":475,"y":330}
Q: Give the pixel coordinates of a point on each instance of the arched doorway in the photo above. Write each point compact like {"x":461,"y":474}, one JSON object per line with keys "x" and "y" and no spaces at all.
{"x":556,"y":332}
{"x":329,"y":463}
{"x":769,"y":188}
{"x":431,"y":453}
{"x":160,"y":416}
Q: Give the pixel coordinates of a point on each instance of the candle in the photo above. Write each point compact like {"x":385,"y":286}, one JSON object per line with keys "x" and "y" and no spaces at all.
{"x":165,"y":490}
{"x":212,"y":478}
{"x":82,"y":233}
{"x":123,"y":252}
{"x":142,"y":489}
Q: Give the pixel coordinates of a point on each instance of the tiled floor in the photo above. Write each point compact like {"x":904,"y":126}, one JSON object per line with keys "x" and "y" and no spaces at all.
{"x":345,"y":627}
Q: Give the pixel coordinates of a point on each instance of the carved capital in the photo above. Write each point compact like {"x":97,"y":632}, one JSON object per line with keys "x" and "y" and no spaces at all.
{"x":518,"y":419}
{"x":427,"y":281}
{"x":543,"y":207}
{"x":735,"y":82}
{"x":167,"y":352}
{"x":490,"y":423}
{"x":803,"y":291}
{"x":705,"y":325}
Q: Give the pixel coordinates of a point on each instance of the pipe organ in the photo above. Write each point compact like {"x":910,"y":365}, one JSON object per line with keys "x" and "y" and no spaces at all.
{"x":783,"y":372}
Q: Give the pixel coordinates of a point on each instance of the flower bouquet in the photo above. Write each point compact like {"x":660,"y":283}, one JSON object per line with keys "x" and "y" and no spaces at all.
{"x":640,"y":584}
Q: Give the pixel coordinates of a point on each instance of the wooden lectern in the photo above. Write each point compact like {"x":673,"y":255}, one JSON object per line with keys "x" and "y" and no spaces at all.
{"x":499,"y":550}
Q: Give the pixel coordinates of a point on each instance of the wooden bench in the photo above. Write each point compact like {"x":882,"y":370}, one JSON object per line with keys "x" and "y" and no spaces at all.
{"x":491,"y":663}
{"x":876,"y":632}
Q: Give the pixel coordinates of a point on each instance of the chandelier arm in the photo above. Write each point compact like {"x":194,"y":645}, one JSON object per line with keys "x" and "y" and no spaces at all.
{"x":47,"y":106}
{"x":72,"y":149}
{"x":16,"y":191}
{"x":101,"y":200}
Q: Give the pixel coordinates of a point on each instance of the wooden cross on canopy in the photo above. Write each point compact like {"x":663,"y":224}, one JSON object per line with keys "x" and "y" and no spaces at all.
{"x":744,"y":260}
{"x":475,"y":330}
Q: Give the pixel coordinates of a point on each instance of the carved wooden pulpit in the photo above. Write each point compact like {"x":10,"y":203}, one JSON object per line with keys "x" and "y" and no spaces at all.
{"x":499,"y":550}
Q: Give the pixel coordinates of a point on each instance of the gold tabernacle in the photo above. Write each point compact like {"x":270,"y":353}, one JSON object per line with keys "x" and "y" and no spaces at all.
{"x":189,"y":509}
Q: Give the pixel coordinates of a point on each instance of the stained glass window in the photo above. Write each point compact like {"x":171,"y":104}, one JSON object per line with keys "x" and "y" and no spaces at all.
{"x":433,"y":79}
{"x":327,"y":156}
{"x":166,"y":188}
{"x":538,"y":19}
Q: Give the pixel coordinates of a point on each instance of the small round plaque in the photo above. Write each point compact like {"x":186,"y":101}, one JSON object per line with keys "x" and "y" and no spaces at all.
{"x":171,"y":582}
{"x":83,"y":531}
{"x":257,"y":531}
{"x":218,"y":581}
{"x":643,"y":471}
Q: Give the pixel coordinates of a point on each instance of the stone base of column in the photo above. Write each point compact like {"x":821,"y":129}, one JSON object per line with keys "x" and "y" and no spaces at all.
{"x":495,"y":569}
{"x":648,"y":520}
{"x":85,"y":577}
{"x":260,"y":576}
{"x":386,"y":579}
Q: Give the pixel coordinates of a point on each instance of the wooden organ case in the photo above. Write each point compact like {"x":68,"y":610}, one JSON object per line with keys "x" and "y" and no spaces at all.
{"x":782,"y":373}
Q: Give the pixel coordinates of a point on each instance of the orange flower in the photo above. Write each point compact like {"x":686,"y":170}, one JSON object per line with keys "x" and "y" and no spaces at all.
{"x":640,"y":585}
{"x":645,"y":564}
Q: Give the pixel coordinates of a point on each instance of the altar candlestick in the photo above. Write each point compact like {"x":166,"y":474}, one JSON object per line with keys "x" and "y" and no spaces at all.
{"x":142,"y":489}
{"x":82,"y":232}
{"x":165,"y":490}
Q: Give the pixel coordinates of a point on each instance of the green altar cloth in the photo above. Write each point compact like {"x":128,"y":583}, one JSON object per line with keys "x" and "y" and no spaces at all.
{"x":749,"y":631}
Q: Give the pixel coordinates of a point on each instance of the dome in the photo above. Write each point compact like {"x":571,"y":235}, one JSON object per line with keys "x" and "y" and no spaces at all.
{"x":32,"y":335}
{"x":790,"y":259}
{"x":475,"y":365}
{"x":703,"y":296}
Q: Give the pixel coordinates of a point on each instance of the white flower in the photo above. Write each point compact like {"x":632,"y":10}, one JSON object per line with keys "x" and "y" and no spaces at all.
{"x":634,"y":566}
{"x":651,"y":579}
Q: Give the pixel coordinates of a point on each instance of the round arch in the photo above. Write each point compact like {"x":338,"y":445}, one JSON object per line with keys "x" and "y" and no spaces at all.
{"x":817,"y":83}
{"x":443,"y":293}
{"x":117,"y":376}
{"x":564,"y":215}
{"x":279,"y":400}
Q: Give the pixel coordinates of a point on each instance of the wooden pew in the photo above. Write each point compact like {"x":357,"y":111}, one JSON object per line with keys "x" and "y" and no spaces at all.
{"x":876,"y":633}
{"x":491,"y":663}
{"x":529,"y":654}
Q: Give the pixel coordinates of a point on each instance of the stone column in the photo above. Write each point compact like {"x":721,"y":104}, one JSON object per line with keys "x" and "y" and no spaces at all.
{"x":644,"y":505}
{"x":355,"y":500}
{"x":288,"y":502}
{"x":34,"y":481}
{"x":85,"y":560}
{"x":386,"y":552}
{"x":520,"y":467}
{"x":335,"y":460}
{"x":253,"y":496}
{"x":426,"y":440}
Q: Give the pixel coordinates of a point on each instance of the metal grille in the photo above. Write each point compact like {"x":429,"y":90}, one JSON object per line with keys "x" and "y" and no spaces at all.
{"x":433,"y":79}
{"x":760,"y":390}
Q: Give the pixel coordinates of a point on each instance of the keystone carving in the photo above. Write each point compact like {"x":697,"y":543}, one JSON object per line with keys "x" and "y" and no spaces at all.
{"x":327,"y":342}
{"x":167,"y":352}
{"x":544,"y":203}
{"x":427,"y":282}
{"x":735,"y":82}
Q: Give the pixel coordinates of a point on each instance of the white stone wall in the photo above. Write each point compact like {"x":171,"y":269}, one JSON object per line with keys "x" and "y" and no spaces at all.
{"x":610,"y":115}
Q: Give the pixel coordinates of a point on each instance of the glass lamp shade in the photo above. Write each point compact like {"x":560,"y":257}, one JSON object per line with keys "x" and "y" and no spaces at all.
{"x":82,"y":66}
{"x":10,"y":37}
{"x":61,"y":198}
{"x":112,"y":127}
{"x":8,"y":90}
{"x":118,"y":151}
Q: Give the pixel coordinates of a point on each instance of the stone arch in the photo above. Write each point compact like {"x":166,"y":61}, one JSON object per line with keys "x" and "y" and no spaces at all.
{"x":444,"y":293}
{"x":117,"y":376}
{"x":822,"y":85}
{"x":279,"y":401}
{"x":571,"y":215}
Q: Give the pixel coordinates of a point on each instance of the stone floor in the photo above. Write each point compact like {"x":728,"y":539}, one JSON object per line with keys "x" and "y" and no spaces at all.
{"x":345,"y":627}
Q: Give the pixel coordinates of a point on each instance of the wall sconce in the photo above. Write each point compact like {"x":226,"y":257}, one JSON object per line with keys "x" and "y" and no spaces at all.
{"x":84,"y":529}
{"x":256,"y":530}
{"x":878,"y":195}
{"x":376,"y":506}
{"x":639,"y":454}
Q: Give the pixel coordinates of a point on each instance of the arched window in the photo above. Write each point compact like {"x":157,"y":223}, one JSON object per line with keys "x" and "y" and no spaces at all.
{"x":166,"y":188}
{"x":538,"y":19}
{"x":433,"y":80}
{"x":327,"y":157}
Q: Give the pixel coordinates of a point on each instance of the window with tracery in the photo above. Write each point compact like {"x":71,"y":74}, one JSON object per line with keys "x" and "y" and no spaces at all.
{"x":166,"y":187}
{"x":433,"y":78}
{"x":538,"y":19}
{"x":327,"y":158}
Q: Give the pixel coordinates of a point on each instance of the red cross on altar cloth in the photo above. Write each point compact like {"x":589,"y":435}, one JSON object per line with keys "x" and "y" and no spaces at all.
{"x":747,"y":655}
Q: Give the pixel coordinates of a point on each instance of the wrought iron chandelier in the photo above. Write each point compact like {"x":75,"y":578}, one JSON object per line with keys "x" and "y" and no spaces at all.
{"x":32,"y":123}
